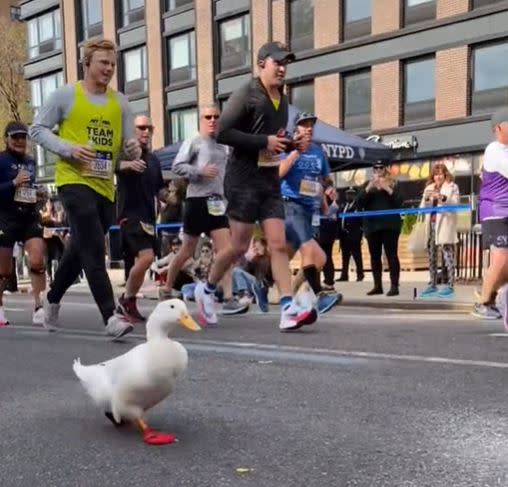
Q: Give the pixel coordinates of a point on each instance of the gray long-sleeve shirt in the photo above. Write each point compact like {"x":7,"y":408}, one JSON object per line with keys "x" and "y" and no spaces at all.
{"x":58,"y":107}
{"x":193,"y":155}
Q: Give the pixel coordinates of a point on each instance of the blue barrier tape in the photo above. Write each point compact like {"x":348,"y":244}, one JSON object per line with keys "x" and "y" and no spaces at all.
{"x":357,"y":214}
{"x":407,"y":211}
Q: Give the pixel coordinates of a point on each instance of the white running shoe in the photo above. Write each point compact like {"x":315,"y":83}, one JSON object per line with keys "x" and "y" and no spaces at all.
{"x":207,"y":313}
{"x":294,"y":317}
{"x":3,"y":319}
{"x":118,"y":326}
{"x":51,"y":311}
{"x":38,"y":317}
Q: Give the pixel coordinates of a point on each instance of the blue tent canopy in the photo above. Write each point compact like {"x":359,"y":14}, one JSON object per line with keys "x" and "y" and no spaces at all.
{"x":344,"y":150}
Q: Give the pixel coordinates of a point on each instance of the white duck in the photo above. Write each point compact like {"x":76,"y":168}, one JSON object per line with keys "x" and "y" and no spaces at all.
{"x":127,"y":386}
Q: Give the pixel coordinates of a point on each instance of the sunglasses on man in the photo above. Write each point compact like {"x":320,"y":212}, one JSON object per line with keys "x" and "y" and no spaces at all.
{"x":145,"y":127}
{"x":210,"y":117}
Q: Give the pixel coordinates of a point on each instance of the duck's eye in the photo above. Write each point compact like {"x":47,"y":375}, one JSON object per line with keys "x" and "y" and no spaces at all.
{"x":172,"y":306}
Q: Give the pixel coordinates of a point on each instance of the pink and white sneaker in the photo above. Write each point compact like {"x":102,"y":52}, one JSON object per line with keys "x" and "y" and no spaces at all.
{"x":207,"y":313}
{"x":3,"y":319}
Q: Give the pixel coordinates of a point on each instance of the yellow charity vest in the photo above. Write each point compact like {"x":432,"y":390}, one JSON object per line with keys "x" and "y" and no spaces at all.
{"x":100,"y":127}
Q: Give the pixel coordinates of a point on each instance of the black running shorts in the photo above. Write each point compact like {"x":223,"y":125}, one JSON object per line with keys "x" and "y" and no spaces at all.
{"x":137,"y":236}
{"x":251,"y":205}
{"x":198,"y":220}
{"x":19,"y":227}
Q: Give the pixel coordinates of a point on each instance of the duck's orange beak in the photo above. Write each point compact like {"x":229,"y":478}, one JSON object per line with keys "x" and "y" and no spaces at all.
{"x":188,"y":322}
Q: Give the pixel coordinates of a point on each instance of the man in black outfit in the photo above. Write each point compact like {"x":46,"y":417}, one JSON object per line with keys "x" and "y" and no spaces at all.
{"x":253,"y":123}
{"x":350,"y":236}
{"x":139,"y":184}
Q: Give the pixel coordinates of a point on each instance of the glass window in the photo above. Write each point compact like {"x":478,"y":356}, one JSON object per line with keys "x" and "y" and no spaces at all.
{"x":419,"y":10}
{"x":490,"y":78}
{"x":235,"y":43}
{"x":356,"y":92}
{"x":40,"y":90}
{"x":302,"y":96}
{"x":419,"y":90}
{"x":91,"y":17}
{"x":174,"y":4}
{"x":135,"y":71}
{"x":182,"y":58}
{"x":184,"y":124}
{"x":44,"y":34}
{"x":301,"y":24}
{"x":133,"y":11}
{"x":357,"y":18}
{"x":482,"y":3}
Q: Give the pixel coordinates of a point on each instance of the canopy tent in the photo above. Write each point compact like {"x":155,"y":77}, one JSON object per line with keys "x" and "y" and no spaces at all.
{"x":344,"y":150}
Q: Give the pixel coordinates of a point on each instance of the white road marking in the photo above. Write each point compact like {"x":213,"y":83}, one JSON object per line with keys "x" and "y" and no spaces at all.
{"x":278,"y":352}
{"x":499,"y":335}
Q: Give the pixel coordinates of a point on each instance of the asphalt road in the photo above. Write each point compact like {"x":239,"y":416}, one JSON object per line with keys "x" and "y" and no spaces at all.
{"x":367,"y":398}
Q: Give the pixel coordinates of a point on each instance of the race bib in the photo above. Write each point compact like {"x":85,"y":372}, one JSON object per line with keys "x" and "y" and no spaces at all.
{"x":310,"y":187}
{"x":25,"y":194}
{"x":268,"y":159}
{"x":101,"y":167}
{"x":148,"y":228}
{"x":316,"y":220}
{"x":216,"y":206}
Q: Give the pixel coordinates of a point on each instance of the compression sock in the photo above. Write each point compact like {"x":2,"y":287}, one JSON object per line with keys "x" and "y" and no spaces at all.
{"x":312,"y":276}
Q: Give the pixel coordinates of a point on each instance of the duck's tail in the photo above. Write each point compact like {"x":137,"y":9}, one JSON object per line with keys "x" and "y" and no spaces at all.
{"x":95,"y":381}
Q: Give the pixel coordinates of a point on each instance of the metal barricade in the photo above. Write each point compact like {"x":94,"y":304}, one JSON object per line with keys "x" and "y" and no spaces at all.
{"x":470,"y":256}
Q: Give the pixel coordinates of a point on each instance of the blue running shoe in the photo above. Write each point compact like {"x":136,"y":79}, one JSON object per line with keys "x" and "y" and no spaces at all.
{"x":446,"y":292}
{"x":430,"y":292}
{"x":326,"y":301}
{"x":260,"y":292}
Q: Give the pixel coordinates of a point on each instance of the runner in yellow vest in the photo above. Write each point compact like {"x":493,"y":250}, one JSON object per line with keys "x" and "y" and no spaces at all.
{"x":95,"y":125}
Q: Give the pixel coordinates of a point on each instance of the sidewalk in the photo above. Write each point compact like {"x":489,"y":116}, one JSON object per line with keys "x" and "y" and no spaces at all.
{"x":355,"y":293}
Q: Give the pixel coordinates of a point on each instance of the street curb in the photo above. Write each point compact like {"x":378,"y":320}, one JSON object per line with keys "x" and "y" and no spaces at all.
{"x":409,"y":305}
{"x":423,"y":305}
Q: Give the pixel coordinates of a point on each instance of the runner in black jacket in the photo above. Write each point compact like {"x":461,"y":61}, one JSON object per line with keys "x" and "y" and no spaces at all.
{"x":253,"y":123}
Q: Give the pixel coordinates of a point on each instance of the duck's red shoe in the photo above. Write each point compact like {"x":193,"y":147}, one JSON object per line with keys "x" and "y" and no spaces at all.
{"x":151,"y":437}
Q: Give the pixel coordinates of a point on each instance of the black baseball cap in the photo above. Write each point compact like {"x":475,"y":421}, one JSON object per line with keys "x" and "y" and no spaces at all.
{"x":277,"y":51}
{"x":378,"y":164}
{"x":351,"y":190}
{"x":499,"y":116}
{"x":303,"y":116}
{"x":15,"y":128}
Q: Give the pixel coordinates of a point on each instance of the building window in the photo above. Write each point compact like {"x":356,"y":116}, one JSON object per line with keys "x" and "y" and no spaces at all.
{"x":174,"y":4}
{"x":356,"y":101}
{"x":302,"y":96}
{"x":133,"y":11}
{"x":44,"y":34}
{"x":301,"y":25}
{"x":184,"y":124}
{"x":357,"y":18}
{"x":40,"y":90}
{"x":483,"y":3}
{"x":91,"y":18}
{"x":419,"y":90}
{"x":135,"y":75}
{"x":235,"y":43}
{"x":182,"y":58}
{"x":490,"y":78}
{"x":419,"y":10}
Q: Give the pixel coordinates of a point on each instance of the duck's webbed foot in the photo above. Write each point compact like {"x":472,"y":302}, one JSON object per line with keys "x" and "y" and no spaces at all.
{"x":151,"y":437}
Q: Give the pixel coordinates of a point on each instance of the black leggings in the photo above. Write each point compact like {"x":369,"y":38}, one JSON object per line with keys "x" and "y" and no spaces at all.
{"x":389,"y":240}
{"x":329,"y":268}
{"x":90,"y":215}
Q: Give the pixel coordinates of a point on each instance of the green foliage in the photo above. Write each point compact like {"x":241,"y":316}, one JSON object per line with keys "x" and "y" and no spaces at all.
{"x":408,"y":222}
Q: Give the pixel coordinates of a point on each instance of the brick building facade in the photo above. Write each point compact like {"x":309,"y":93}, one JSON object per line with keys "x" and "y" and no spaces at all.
{"x":423,"y":75}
